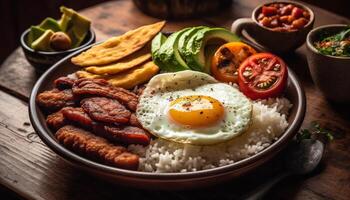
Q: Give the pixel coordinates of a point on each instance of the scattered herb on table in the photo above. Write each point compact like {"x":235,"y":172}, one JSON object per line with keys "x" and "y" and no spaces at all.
{"x":315,"y":132}
{"x":335,"y":45}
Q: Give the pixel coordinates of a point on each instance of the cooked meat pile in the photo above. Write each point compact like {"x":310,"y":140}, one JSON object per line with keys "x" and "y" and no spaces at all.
{"x":94,"y":119}
{"x":96,"y":148}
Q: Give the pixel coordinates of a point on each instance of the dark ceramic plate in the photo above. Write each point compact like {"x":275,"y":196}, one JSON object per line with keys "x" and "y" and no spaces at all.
{"x":172,"y":181}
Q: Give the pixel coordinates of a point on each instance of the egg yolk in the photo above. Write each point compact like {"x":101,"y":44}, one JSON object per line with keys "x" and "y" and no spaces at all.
{"x":196,"y":110}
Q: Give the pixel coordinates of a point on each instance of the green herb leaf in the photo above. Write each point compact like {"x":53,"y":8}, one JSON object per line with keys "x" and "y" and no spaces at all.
{"x":303,"y":134}
{"x":343,"y":34}
{"x":334,"y":45}
{"x":315,"y":131}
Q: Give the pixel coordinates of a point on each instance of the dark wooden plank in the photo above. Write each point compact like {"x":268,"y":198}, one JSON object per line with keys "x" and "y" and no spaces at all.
{"x":17,"y":76}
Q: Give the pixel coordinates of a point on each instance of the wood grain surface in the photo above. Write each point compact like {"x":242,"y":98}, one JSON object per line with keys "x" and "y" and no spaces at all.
{"x":31,"y":170}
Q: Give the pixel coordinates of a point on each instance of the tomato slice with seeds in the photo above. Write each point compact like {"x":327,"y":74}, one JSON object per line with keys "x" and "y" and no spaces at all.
{"x":228,"y":58}
{"x":262,"y":75}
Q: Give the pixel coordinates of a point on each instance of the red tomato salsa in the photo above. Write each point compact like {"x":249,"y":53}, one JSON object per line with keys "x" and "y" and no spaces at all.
{"x":283,"y":17}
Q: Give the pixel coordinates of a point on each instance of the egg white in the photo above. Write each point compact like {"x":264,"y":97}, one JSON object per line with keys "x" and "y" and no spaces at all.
{"x":152,"y":110}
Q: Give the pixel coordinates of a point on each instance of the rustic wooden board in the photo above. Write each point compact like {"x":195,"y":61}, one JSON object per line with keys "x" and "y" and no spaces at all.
{"x":33,"y":171}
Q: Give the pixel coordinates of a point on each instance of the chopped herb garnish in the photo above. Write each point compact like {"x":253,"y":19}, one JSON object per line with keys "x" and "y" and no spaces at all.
{"x":315,"y":132}
{"x":335,"y":45}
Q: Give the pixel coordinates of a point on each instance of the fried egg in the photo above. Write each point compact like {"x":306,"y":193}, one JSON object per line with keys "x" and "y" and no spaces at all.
{"x":192,"y":107}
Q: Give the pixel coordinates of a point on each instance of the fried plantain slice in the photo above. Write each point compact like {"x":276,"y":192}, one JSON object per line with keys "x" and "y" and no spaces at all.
{"x":126,"y":63}
{"x":85,"y":74}
{"x":118,"y":47}
{"x":127,"y":79}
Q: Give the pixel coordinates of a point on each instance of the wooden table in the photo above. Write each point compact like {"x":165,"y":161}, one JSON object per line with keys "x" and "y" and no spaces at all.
{"x":32,"y":171}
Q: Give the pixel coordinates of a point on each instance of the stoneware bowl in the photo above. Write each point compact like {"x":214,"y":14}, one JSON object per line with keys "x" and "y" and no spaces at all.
{"x":331,"y":74}
{"x":275,"y":41}
{"x":42,"y":60}
{"x":158,"y":181}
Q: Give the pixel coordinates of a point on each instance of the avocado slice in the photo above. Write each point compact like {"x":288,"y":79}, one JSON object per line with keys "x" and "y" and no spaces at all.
{"x":64,"y":21}
{"x":34,"y":33}
{"x":66,"y":17}
{"x":157,"y":42}
{"x":195,"y":47}
{"x":75,"y":25}
{"x":169,"y":53}
{"x":43,"y":42}
{"x":182,"y":41}
{"x":50,"y":24}
{"x":209,"y":52}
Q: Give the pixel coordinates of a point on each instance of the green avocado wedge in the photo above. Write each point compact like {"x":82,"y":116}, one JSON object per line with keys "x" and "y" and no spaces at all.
{"x":184,"y":38}
{"x":50,"y":24}
{"x":75,"y":25}
{"x":66,"y":17}
{"x":157,"y":42}
{"x":34,"y":33}
{"x":209,"y":53}
{"x":169,"y":53}
{"x":43,"y":42}
{"x":196,"y":45}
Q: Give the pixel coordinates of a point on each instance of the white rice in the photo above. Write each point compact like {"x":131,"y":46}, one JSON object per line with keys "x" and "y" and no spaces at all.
{"x":268,"y":123}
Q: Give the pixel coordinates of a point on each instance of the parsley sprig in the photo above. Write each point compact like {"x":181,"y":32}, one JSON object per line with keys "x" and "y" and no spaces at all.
{"x":315,"y":132}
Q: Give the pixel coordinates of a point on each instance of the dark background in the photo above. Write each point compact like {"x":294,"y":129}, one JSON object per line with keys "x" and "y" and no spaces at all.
{"x":18,"y":15}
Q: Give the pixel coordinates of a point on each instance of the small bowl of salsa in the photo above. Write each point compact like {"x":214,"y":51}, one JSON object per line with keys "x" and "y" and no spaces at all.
{"x":280,"y":27}
{"x":329,"y":60}
{"x":283,"y":17}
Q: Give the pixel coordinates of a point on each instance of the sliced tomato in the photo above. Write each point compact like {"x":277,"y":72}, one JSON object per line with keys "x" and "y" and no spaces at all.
{"x":262,"y":75}
{"x":227,"y":59}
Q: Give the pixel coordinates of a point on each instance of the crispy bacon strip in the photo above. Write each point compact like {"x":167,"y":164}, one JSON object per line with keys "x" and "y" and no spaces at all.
{"x":106,"y":110}
{"x":139,"y":89}
{"x":134,"y":121}
{"x":99,"y":87}
{"x":56,"y":120}
{"x":96,"y":148}
{"x":122,"y":134}
{"x":77,"y":116}
{"x":64,"y":83}
{"x":55,"y":99}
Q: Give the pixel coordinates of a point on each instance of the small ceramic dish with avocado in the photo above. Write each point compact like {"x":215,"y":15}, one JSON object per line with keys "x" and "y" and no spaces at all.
{"x":52,"y":40}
